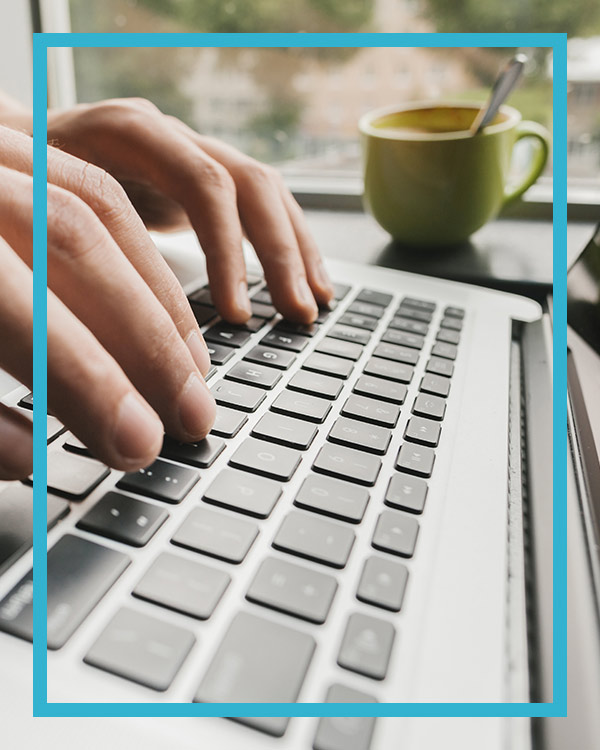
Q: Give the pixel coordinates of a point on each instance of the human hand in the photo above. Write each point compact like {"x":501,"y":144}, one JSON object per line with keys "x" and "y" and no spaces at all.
{"x":176,"y":177}
{"x":125,"y":354}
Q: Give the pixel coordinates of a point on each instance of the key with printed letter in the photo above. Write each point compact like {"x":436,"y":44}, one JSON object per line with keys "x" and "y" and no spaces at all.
{"x":238,"y":395}
{"x":258,"y":375}
{"x":222,"y":535}
{"x":302,"y":406}
{"x":415,"y":459}
{"x":162,"y":480}
{"x":367,"y":646}
{"x":396,"y":533}
{"x":243,"y":492}
{"x":371,"y":410}
{"x":333,"y":497}
{"x":347,"y":463}
{"x":360,"y":435}
{"x":270,"y":460}
{"x":277,"y":428}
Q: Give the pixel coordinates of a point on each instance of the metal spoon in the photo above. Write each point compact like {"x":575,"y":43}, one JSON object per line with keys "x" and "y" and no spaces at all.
{"x":503,"y":85}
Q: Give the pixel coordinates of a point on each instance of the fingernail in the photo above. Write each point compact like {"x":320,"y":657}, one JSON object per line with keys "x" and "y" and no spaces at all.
{"x":243,"y":301}
{"x":199,"y":352}
{"x":138,"y":430}
{"x":196,"y":407}
{"x":304,"y":294}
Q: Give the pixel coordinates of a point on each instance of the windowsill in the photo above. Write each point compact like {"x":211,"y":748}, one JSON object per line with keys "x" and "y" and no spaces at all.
{"x":344,"y":193}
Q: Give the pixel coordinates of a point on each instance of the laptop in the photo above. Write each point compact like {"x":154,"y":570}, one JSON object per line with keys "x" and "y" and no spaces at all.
{"x":357,"y":527}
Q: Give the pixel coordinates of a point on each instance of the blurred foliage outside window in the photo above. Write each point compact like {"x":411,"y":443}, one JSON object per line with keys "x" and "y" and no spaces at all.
{"x":298,"y":107}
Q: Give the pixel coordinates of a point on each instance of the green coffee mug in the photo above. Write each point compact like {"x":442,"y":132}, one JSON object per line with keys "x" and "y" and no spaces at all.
{"x":428,"y":181}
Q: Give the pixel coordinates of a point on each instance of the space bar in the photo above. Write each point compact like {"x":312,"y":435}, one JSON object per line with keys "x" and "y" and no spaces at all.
{"x":258,"y":661}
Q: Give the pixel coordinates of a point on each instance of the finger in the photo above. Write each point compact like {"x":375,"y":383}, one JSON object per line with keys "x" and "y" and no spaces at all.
{"x":318,"y":278}
{"x":110,"y":203}
{"x":16,"y":353}
{"x":90,"y":394}
{"x":16,"y":445}
{"x":94,"y":279}
{"x":98,"y":283}
{"x":132,"y":146}
{"x":288,"y":255}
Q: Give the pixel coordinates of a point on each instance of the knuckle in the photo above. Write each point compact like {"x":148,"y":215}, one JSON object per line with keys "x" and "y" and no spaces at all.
{"x":102,"y":191}
{"x":215,"y":177}
{"x":71,"y":224}
{"x":121,"y":113}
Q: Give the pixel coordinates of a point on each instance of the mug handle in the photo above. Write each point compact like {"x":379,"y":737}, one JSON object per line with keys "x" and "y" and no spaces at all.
{"x":528,"y":129}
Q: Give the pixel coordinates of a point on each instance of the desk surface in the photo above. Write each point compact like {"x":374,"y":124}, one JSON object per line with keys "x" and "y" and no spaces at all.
{"x":510,"y":254}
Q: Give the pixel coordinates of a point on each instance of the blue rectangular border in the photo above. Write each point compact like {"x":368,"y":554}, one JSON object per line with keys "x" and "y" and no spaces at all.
{"x":41,"y":707}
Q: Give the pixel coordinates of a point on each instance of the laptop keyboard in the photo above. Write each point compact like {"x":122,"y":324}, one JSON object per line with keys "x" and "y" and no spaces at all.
{"x":296,"y":373}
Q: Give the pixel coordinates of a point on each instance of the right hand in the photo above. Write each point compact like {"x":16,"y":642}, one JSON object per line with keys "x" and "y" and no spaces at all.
{"x":126,"y":358}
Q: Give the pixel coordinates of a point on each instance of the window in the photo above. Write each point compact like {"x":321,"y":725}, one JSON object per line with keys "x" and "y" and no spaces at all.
{"x":298,"y":108}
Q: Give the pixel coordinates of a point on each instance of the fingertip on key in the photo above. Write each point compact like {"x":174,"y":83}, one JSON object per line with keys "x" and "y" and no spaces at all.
{"x":197,"y":409}
{"x":138,"y":433}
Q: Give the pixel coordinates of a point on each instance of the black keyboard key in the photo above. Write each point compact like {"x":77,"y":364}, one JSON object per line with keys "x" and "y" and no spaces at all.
{"x":202,"y":296}
{"x":328,"y":365}
{"x":406,"y":492}
{"x":415,"y":459}
{"x":270,"y":663}
{"x":263,"y":296}
{"x":354,"y":335}
{"x":377,"y":298}
{"x":397,"y":353}
{"x":225,"y":333}
{"x":274,"y":461}
{"x":433,"y":407}
{"x":141,"y":648}
{"x":371,"y":410}
{"x":270,"y":356}
{"x":243,"y":492}
{"x":439,"y":366}
{"x":445,"y":350}
{"x":358,"y":321}
{"x":315,"y":384}
{"x":278,"y":428}
{"x":219,"y":353}
{"x":422,"y":431}
{"x":454,"y":312}
{"x":454,"y":324}
{"x":253,"y":324}
{"x":366,"y":308}
{"x":73,"y":476}
{"x":27,"y":401}
{"x":347,"y":463}
{"x":339,"y":348}
{"x":228,"y":422}
{"x":237,"y":395}
{"x":385,"y":368}
{"x":332,"y":497}
{"x":257,"y":375}
{"x":201,"y":454}
{"x":16,"y":520}
{"x":293,"y":589}
{"x":287,"y":326}
{"x":260,"y":310}
{"x":367,"y":646}
{"x":340,"y":290}
{"x":379,"y":388}
{"x":315,"y":538}
{"x":401,"y":323}
{"x":414,"y":314}
{"x":186,"y":586}
{"x":162,"y":480}
{"x":345,"y":732}
{"x":203,"y":314}
{"x":448,"y":336}
{"x":396,"y":533}
{"x":419,"y":304}
{"x":80,"y":573}
{"x":124,"y":519}
{"x":360,"y":435}
{"x":222,"y":535}
{"x":292,"y":342}
{"x":435,"y":384}
{"x":382,"y":583}
{"x":301,"y":406}
{"x":402,"y":338}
